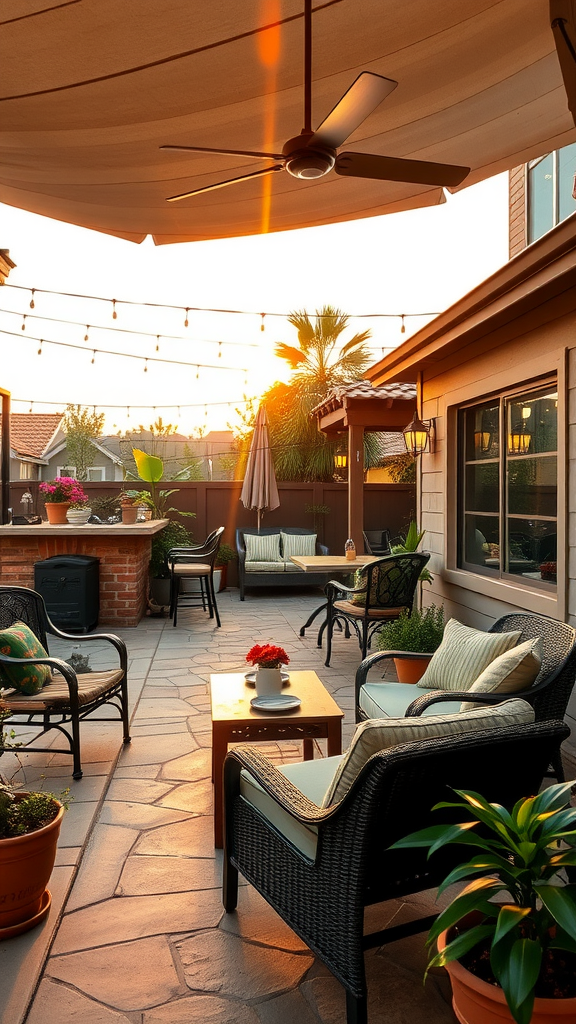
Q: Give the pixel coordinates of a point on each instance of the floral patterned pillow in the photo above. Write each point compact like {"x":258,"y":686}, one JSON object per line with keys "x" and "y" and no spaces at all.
{"x":19,"y":642}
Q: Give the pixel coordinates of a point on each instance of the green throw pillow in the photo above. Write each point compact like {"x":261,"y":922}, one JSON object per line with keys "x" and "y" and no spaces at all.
{"x":19,"y":642}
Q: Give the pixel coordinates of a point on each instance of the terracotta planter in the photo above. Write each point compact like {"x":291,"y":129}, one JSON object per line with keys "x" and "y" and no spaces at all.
{"x":56,"y":511}
{"x":26,"y":864}
{"x":476,"y":1002}
{"x":411,"y":670}
{"x":129,"y":514}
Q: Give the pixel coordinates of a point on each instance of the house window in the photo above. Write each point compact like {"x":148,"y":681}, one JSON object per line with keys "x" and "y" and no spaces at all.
{"x":94,"y":473}
{"x":66,"y":471}
{"x":549,"y":187}
{"x":27,"y":471}
{"x":508,"y":486}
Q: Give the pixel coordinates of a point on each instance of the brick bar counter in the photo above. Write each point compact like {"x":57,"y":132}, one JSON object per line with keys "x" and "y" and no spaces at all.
{"x":124,"y":553}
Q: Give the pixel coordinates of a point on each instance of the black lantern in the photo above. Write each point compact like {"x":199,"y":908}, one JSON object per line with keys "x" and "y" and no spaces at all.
{"x":418,"y":435}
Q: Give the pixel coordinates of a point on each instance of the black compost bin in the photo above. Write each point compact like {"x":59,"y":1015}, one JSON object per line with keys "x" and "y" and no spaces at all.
{"x":69,"y":585}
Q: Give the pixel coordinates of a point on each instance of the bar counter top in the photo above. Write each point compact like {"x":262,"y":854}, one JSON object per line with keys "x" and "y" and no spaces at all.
{"x":146,"y":529}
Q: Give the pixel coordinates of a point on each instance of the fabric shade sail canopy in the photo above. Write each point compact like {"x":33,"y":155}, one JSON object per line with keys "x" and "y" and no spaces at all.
{"x":91,"y":89}
{"x":259,"y":490}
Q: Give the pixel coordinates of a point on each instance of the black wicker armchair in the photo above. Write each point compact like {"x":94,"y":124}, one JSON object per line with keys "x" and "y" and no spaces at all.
{"x":68,"y":699}
{"x":549,"y":694}
{"x":386,"y":589}
{"x":323,"y":897}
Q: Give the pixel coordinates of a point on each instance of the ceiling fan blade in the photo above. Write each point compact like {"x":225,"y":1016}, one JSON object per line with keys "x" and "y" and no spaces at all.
{"x":363,"y":96}
{"x":223,"y":184}
{"x":389,"y":168}
{"x":224,"y":152}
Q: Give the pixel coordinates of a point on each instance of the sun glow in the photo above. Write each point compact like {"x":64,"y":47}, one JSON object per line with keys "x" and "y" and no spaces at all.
{"x":268,"y":47}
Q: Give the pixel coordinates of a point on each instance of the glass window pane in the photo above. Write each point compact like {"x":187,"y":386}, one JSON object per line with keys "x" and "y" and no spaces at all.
{"x":531,"y":549}
{"x":482,"y":432}
{"x":532,"y":486}
{"x":540,"y":197}
{"x":481,"y":541}
{"x":566,"y":172}
{"x":482,"y":487}
{"x":533,"y":423}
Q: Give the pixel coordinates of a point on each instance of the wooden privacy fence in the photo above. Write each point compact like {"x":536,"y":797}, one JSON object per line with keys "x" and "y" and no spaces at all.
{"x":217,"y":503}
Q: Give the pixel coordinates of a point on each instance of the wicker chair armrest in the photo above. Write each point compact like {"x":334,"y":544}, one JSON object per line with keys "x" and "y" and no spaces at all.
{"x":445,"y":696}
{"x":273,"y":782}
{"x":373,"y":659}
{"x":63,"y":667}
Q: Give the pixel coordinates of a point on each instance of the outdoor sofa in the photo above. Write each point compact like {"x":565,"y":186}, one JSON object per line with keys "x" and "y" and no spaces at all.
{"x":277,"y":571}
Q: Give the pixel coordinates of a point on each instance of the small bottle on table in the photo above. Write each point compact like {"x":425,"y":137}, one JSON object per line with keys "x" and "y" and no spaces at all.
{"x":350,"y":550}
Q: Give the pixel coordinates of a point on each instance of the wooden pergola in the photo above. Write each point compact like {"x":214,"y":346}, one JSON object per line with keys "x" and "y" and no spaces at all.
{"x":352,"y":409}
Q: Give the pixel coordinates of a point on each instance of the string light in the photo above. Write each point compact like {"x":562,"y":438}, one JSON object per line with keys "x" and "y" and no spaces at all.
{"x":32,"y":303}
{"x":219,"y":350}
{"x":111,"y":405}
{"x":40,"y":347}
{"x":262,"y":324}
{"x":114,"y":313}
{"x":23,"y":328}
{"x":186,"y":317}
{"x":403,"y":327}
{"x":157,"y":342}
{"x":31,"y":405}
{"x":87,"y":330}
{"x":145,"y":366}
{"x":197,"y":373}
{"x":93,"y":356}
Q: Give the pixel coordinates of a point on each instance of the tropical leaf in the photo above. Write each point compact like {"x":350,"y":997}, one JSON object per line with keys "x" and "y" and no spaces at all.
{"x":460,"y":945}
{"x":473,"y":897}
{"x":560,"y":901}
{"x":150,"y":468}
{"x":523,"y":969}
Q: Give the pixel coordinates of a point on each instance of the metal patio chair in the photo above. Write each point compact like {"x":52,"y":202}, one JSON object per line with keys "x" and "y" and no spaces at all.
{"x":194,"y":563}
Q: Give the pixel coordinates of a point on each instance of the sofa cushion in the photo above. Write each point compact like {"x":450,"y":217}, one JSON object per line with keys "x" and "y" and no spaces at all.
{"x":513,"y":671}
{"x":313,"y":779}
{"x":20,"y":642}
{"x":373,"y":736}
{"x":390,"y":700}
{"x":264,"y":567}
{"x":297,"y":544}
{"x":262,"y":547}
{"x":463,"y":654}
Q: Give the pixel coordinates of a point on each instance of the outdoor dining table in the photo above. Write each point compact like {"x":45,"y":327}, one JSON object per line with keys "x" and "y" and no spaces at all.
{"x":331,"y":565}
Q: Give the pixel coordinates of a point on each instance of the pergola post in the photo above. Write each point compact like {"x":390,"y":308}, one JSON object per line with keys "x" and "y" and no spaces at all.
{"x":5,"y":458}
{"x":356,"y":485}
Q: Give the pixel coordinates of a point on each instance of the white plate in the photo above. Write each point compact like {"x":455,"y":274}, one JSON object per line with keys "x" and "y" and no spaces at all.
{"x":250,"y":678}
{"x":275,"y":702}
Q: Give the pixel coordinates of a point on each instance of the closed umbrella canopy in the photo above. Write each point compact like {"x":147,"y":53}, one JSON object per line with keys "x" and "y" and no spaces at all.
{"x":259,"y":489}
{"x":91,"y":90}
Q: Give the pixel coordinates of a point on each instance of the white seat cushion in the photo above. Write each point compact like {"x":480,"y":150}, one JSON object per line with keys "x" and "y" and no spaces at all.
{"x":313,"y":779}
{"x":373,"y":736}
{"x":390,"y":700}
{"x":463,"y":654}
{"x":513,"y":671}
{"x":262,"y":547}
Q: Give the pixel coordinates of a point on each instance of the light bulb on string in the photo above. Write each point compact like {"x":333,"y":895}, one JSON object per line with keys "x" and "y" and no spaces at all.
{"x":186,"y":317}
{"x":31,"y":406}
{"x":157,"y":342}
{"x":145,"y":366}
{"x":197,"y":373}
{"x":403,"y":327}
{"x":40,"y":348}
{"x":87,"y":330}
{"x":219,"y":350}
{"x":93,"y":356}
{"x":32,"y":303}
{"x":262,"y":324}
{"x":23,"y":328}
{"x":114,"y":313}
{"x":127,"y":412}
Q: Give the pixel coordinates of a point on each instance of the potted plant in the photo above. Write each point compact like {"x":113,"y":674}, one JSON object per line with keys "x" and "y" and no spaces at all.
{"x":420,"y":632}
{"x":129,"y":509}
{"x":268,"y":659}
{"x":29,"y":829}
{"x":411,"y":542}
{"x":174,"y":535}
{"x":515,"y":960}
{"x":59,"y":494}
{"x":225,"y":555}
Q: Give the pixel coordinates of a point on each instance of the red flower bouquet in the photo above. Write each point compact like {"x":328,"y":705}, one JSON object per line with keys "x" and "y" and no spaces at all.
{"x":267,"y":656}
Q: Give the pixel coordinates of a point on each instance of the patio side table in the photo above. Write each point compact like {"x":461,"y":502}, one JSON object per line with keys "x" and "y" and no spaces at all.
{"x":235,"y":721}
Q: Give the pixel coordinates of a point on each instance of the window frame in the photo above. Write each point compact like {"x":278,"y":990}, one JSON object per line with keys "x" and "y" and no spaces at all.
{"x":528,"y":196}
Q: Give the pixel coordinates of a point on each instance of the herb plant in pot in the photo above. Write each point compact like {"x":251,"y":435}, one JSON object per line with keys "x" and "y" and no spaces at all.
{"x":59,"y":494}
{"x":418,"y":633}
{"x":508,"y":939}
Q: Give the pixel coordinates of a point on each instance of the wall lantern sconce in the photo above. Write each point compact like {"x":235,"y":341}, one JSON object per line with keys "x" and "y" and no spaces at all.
{"x":419,"y":436}
{"x":483,"y":441}
{"x":341,"y":461}
{"x":519,"y":441}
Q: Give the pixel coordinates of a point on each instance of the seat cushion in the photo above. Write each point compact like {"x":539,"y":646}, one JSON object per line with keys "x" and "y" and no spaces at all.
{"x":297,"y":544}
{"x":390,"y":700}
{"x":262,"y":547}
{"x":264,"y":566}
{"x":463,"y":654}
{"x":20,"y":642}
{"x":313,"y":779}
{"x":373,"y":736}
{"x":190,"y":569}
{"x":55,"y":695}
{"x":373,"y":613}
{"x":513,"y":671}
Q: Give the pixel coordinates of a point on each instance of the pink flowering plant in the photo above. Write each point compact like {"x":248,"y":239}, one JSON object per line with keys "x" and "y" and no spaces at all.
{"x":64,"y":488}
{"x":267,"y":656}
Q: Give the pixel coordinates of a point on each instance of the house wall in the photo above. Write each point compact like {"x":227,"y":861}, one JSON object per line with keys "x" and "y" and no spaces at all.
{"x":112,"y":471}
{"x":531,"y":346}
{"x":517,"y":239}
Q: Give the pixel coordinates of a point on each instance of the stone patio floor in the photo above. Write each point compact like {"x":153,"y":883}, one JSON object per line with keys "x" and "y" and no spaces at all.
{"x":137,"y":933}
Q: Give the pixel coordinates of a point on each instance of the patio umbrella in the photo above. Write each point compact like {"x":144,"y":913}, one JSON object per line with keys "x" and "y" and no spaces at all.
{"x":91,"y":91}
{"x":259,"y":489}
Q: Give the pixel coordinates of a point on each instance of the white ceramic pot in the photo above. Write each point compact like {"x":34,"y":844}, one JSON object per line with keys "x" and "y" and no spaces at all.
{"x":78,"y":516}
{"x":268,"y":680}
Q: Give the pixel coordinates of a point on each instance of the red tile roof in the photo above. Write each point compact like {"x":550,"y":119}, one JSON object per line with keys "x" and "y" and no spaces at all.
{"x":30,"y":432}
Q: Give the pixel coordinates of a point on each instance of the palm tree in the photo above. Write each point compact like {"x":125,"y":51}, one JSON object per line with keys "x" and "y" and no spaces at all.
{"x":320,"y":364}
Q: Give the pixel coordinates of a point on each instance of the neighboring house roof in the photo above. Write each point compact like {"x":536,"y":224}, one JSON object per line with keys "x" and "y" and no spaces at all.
{"x":32,"y":433}
{"x":60,"y":447}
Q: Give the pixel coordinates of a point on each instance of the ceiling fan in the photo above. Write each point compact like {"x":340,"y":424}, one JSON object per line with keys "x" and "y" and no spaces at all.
{"x":312,"y":154}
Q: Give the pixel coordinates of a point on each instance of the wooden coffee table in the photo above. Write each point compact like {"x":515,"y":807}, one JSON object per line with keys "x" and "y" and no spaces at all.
{"x":235,"y":721}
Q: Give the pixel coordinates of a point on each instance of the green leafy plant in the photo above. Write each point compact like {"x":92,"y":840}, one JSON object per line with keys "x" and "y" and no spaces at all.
{"x":411,"y":542}
{"x":19,"y":817}
{"x":520,"y":856}
{"x":174,"y":535}
{"x":225,"y":554}
{"x":151,"y":470}
{"x":420,"y":632}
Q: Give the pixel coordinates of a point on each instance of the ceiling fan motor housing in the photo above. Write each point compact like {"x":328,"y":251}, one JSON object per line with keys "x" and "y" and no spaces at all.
{"x":304,"y":161}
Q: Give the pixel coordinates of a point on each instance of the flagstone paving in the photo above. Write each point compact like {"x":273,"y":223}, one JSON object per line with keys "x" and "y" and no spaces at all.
{"x":137,"y":933}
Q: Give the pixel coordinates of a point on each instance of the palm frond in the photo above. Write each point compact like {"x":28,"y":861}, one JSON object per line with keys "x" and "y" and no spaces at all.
{"x":293,"y":356}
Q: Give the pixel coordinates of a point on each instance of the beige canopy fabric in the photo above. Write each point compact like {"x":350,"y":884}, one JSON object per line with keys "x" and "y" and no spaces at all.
{"x":90,"y":90}
{"x":259,"y":490}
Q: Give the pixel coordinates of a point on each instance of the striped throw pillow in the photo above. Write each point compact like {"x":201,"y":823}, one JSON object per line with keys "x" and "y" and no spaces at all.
{"x":513,"y":671}
{"x":262,"y":547}
{"x":298,"y":544}
{"x":379,"y":734}
{"x":463,"y":655}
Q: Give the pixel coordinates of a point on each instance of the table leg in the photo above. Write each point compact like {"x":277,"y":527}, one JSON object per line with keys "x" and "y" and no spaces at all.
{"x":219,"y":749}
{"x":308,"y":750}
{"x":310,"y":620}
{"x":334,"y":736}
